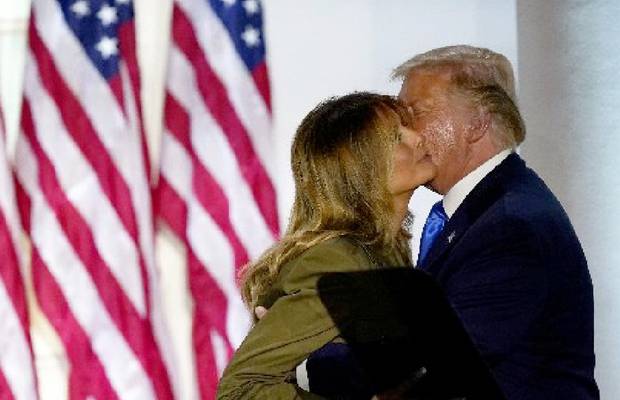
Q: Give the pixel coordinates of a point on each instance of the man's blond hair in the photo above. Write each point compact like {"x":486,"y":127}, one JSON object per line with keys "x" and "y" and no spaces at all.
{"x":484,"y":76}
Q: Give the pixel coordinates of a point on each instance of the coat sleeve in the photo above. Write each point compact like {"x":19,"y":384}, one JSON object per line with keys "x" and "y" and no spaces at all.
{"x":295,"y":326}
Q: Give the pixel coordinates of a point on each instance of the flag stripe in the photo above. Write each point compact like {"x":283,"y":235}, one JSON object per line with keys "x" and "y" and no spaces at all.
{"x":112,"y":125}
{"x":132,"y":326}
{"x":15,"y":357}
{"x":10,"y":274}
{"x":80,"y":128}
{"x":89,"y":378}
{"x":172,"y":209}
{"x":104,"y":117}
{"x":207,"y":190}
{"x":219,"y":49}
{"x":205,"y":138}
{"x":210,"y":304}
{"x":215,"y":169}
{"x":52,"y":241}
{"x":217,"y":101}
{"x":209,"y":301}
{"x":79,"y":181}
{"x":261,"y":79}
{"x":218,"y":257}
{"x":82,"y":166}
{"x":128,"y":46}
{"x":5,"y":389}
{"x":17,"y":374}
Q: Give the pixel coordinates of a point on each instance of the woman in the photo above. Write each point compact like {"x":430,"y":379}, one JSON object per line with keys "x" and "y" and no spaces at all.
{"x":355,"y":164}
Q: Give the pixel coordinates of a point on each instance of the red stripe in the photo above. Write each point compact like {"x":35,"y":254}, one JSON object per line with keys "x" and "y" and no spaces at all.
{"x":261,"y":79}
{"x":127,"y":42}
{"x":2,"y":127}
{"x":210,"y":312}
{"x":217,"y":101}
{"x":177,"y":119}
{"x":171,"y":208}
{"x":11,"y":276}
{"x":5,"y":389}
{"x":23,"y":201}
{"x":86,"y":138}
{"x":87,"y":376}
{"x":136,"y":330}
{"x":116,"y":86}
{"x":206,"y":189}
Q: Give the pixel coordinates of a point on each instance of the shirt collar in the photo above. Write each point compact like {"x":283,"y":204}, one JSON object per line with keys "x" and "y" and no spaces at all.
{"x":455,"y":196}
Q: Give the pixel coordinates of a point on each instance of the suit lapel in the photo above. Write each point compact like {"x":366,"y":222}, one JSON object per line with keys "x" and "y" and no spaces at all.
{"x":484,"y":195}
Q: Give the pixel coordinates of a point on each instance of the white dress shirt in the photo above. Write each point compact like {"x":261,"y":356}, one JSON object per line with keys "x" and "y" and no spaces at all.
{"x":455,"y":196}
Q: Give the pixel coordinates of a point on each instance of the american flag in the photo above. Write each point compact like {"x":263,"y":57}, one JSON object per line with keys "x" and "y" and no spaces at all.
{"x":84,"y":197}
{"x":17,"y":375}
{"x":215,"y":190}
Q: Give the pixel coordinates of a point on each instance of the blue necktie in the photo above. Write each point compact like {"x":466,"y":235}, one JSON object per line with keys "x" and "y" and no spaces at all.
{"x":432,"y":228}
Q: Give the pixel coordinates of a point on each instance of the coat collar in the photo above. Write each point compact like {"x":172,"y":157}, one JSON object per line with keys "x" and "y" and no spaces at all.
{"x":490,"y":189}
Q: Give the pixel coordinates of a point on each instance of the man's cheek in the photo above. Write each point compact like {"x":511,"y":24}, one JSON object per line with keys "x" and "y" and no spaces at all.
{"x":441,"y":138}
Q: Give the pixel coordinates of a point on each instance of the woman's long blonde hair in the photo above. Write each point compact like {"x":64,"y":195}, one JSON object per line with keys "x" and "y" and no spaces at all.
{"x":342,"y":160}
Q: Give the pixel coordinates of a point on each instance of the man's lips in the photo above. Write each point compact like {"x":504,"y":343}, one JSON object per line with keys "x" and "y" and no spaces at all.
{"x":425,"y":157}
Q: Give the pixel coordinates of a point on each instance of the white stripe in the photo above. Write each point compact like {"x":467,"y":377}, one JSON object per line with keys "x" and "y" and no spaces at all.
{"x":140,"y":192}
{"x":214,"y":152}
{"x":121,"y":366}
{"x":219,"y":351}
{"x":230,"y":68}
{"x":15,"y":363}
{"x":81,"y":186}
{"x":121,"y":137}
{"x":176,"y":166}
{"x":215,"y":253}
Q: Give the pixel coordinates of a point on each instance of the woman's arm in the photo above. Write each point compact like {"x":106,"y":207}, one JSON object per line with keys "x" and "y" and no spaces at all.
{"x":295,"y":326}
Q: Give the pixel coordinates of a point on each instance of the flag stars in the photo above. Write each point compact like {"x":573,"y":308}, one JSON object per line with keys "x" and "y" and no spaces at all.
{"x":251,"y":6}
{"x":251,"y":36}
{"x":108,"y":47}
{"x":107,"y":15}
{"x":80,"y":8}
{"x":229,"y":3}
{"x":123,"y":2}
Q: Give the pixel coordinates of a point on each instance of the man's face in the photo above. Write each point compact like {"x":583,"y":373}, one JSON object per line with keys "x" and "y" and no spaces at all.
{"x":441,"y":117}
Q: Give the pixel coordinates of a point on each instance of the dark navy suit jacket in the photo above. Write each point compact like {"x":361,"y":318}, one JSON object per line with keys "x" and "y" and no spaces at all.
{"x":512,"y":267}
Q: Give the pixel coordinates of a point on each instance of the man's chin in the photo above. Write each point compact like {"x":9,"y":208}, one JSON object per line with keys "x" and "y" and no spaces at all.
{"x":429,"y":185}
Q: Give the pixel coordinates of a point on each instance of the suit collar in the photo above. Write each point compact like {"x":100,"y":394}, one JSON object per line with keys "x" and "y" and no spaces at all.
{"x":490,"y":189}
{"x":455,"y":196}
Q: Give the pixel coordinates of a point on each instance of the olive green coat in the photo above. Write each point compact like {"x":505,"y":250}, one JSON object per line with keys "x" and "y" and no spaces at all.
{"x":296,"y":325}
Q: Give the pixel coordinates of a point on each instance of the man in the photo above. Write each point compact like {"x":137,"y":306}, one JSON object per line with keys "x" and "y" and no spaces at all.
{"x":499,"y":244}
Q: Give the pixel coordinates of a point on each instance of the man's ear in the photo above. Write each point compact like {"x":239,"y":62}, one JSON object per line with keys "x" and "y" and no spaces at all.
{"x":480,"y":124}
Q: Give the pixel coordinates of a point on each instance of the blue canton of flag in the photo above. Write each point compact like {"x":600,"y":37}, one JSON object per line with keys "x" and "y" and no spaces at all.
{"x":96,"y":24}
{"x":244,"y":22}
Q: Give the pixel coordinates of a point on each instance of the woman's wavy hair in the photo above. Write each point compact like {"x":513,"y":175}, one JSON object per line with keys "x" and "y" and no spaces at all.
{"x":341,"y":159}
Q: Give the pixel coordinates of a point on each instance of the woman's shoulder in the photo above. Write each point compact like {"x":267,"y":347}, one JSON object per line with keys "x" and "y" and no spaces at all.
{"x":333,"y":255}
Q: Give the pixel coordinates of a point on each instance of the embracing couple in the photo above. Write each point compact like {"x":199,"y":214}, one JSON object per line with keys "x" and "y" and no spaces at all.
{"x":499,"y":244}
